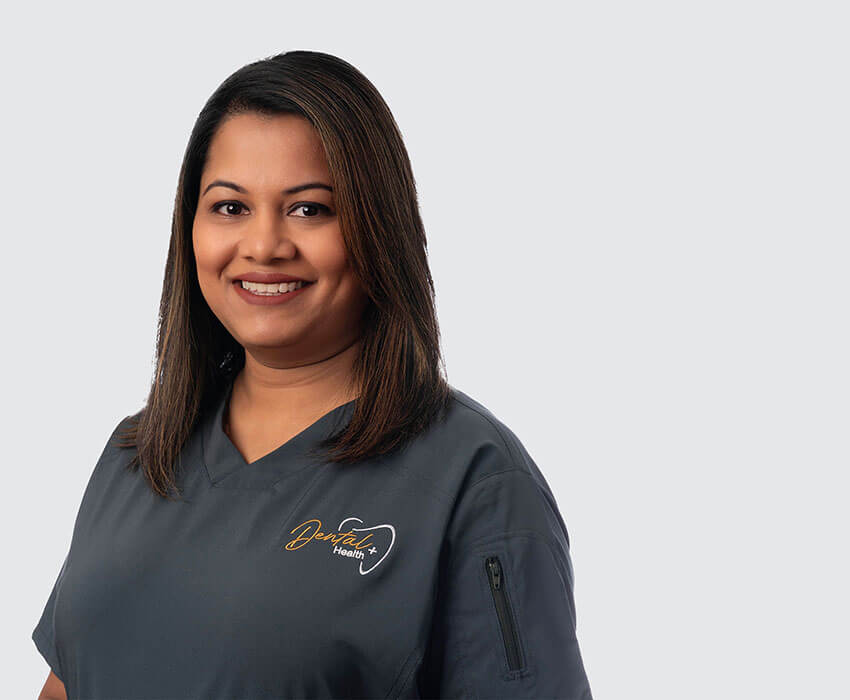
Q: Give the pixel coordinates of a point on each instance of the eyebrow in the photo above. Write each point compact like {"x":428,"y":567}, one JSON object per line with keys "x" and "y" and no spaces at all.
{"x":291,"y":190}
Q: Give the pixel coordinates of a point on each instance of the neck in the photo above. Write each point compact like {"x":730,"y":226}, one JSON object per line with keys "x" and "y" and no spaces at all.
{"x":281,"y":394}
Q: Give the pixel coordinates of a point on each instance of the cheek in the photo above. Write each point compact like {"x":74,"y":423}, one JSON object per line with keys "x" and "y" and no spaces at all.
{"x":208,"y":253}
{"x":329,"y":256}
{"x":331,"y":262}
{"x":350,"y":293}
{"x":210,"y":258}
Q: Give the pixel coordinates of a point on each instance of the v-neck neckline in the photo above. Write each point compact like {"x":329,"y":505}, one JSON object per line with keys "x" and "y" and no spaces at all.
{"x":227,"y":467}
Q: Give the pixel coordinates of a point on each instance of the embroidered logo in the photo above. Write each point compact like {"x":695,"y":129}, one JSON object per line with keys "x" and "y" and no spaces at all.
{"x":311,"y":530}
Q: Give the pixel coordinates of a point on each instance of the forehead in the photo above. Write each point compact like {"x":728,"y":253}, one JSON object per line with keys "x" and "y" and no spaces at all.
{"x":256,"y":149}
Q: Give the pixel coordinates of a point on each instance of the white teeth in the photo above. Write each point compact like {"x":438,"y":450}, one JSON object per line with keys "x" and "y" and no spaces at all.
{"x":271,"y":289}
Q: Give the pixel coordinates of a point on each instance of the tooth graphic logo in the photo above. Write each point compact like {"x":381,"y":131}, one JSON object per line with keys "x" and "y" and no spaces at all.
{"x":312,"y":530}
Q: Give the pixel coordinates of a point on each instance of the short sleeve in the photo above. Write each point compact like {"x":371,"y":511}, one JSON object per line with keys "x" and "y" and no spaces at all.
{"x":44,"y":634}
{"x":504,"y":623}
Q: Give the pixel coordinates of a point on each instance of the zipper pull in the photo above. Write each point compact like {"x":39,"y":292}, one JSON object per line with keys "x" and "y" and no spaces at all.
{"x":495,"y":572}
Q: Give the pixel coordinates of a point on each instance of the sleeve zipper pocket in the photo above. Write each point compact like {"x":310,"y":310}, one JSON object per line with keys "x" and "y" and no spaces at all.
{"x":507,"y":623}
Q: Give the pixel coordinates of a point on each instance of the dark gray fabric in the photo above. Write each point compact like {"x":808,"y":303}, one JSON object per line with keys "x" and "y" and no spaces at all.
{"x":297,"y":578}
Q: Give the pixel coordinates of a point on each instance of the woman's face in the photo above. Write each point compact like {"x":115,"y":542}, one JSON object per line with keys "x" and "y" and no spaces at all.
{"x":251,"y":224}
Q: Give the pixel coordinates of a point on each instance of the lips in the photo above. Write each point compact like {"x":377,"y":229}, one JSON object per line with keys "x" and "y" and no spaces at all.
{"x":269,"y":278}
{"x":238,"y":282}
{"x":259,"y":299}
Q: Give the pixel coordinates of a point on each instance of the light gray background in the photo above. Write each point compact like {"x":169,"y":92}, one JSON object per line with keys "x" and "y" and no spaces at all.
{"x":638,"y":218}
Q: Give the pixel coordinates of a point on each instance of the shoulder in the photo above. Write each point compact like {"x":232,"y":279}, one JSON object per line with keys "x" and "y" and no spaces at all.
{"x":116,"y":448}
{"x":105,"y":467}
{"x":485,"y":434}
{"x":468,"y":444}
{"x":481,"y":423}
{"x":498,"y":485}
{"x":118,"y":438}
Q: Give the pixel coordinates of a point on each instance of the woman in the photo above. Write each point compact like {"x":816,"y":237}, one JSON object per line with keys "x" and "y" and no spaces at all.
{"x":305,"y":507}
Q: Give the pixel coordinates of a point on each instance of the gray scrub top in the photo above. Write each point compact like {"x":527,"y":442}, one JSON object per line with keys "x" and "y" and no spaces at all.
{"x":441,"y":570}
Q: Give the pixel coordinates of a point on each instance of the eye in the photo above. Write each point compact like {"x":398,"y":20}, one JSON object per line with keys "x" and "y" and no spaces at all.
{"x":218,"y":205}
{"x":311,"y":206}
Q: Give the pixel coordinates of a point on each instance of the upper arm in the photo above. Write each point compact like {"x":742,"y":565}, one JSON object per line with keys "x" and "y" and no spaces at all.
{"x":505,"y":623}
{"x":53,"y":689}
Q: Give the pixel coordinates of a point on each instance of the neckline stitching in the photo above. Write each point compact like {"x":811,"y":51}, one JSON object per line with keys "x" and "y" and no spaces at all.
{"x":272,"y":476}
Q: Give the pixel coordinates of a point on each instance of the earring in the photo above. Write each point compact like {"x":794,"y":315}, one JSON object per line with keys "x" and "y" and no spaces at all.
{"x":227,"y":365}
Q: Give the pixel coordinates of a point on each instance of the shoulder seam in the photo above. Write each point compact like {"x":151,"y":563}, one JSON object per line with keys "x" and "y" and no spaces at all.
{"x":496,"y":427}
{"x":499,"y":473}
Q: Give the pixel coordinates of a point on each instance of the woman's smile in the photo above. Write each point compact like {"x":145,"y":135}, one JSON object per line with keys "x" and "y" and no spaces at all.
{"x":268,"y":294}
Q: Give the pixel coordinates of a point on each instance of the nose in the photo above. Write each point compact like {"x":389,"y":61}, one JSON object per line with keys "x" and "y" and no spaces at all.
{"x":266,"y":238}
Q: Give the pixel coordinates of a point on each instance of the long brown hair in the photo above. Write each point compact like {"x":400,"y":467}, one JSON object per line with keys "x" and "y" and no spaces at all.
{"x":400,"y":369}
